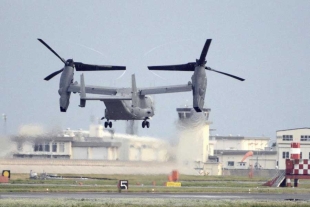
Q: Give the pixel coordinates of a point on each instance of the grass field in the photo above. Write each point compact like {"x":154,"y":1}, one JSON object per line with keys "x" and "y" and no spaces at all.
{"x":144,"y":183}
{"x":147,"y":202}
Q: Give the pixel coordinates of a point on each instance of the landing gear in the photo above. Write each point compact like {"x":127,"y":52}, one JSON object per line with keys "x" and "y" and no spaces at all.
{"x":107,"y":124}
{"x":145,"y":124}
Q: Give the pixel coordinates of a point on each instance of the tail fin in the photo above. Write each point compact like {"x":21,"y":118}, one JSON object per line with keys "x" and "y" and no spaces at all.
{"x":82,"y":92}
{"x":135,"y":98}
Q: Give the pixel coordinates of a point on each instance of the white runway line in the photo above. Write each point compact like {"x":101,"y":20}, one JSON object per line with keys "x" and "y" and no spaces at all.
{"x":201,"y":196}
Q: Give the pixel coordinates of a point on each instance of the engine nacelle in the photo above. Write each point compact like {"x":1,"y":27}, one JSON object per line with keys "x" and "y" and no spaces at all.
{"x":65,"y":80}
{"x":64,"y":102}
{"x":198,"y":100}
{"x":199,"y":91}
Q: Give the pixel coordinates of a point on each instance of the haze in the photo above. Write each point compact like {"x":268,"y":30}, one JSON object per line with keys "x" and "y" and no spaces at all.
{"x":265,"y":42}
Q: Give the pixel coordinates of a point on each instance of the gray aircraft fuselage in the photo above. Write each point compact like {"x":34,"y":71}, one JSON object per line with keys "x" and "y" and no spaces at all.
{"x":124,"y":110}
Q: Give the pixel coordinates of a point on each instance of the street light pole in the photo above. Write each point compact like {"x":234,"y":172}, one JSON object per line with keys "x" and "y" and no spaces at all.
{"x":4,"y":123}
{"x":222,"y":163}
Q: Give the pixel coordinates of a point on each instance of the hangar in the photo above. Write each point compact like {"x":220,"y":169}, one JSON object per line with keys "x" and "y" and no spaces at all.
{"x":95,"y":144}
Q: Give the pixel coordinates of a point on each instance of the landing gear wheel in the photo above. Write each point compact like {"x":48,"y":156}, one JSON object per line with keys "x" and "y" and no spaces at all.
{"x":148,"y":124}
{"x":143,"y":124}
{"x":110,"y":124}
{"x":105,"y":124}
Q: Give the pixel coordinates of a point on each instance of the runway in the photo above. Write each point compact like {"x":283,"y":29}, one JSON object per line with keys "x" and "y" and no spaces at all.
{"x":210,"y":196}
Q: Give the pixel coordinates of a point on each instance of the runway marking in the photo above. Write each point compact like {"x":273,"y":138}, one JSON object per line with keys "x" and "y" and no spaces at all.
{"x":200,"y":196}
{"x":16,"y":196}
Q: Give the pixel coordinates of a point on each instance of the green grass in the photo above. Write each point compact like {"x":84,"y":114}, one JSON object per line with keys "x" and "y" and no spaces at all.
{"x":107,"y":183}
{"x":133,"y":179}
{"x":147,"y":202}
{"x":143,"y":183}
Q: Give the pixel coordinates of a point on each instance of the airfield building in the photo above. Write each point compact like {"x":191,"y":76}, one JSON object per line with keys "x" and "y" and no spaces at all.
{"x":286,"y":137}
{"x":232,"y":152}
{"x":196,"y":150}
{"x":95,"y":144}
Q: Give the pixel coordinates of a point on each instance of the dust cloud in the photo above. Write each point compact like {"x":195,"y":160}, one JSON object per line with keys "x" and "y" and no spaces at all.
{"x":132,"y":127}
{"x":193,"y":140}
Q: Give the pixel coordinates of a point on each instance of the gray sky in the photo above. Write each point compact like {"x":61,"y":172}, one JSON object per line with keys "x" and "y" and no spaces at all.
{"x":265,"y":42}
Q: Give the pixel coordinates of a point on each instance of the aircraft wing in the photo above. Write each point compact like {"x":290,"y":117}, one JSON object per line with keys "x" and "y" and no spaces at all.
{"x":107,"y":98}
{"x":76,"y":88}
{"x":166,"y":89}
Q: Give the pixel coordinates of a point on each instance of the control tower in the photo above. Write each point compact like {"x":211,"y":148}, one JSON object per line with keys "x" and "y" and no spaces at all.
{"x":193,"y":133}
{"x":194,"y":147}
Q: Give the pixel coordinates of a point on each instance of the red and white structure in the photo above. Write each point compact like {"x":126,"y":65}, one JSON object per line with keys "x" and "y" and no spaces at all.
{"x":295,"y":151}
{"x":296,"y":168}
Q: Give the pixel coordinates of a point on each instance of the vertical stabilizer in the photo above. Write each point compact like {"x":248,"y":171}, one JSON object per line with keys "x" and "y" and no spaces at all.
{"x":135,"y":98}
{"x":82,"y":92}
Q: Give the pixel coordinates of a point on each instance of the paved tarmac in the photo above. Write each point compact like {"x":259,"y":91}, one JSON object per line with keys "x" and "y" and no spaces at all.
{"x":210,"y":196}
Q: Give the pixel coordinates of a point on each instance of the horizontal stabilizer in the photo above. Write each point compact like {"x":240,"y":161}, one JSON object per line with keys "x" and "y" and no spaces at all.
{"x":107,"y":98}
{"x":166,"y":89}
{"x":183,"y":67}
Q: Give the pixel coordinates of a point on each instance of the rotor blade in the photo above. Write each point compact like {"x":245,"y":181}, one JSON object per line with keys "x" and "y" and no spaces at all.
{"x":204,"y":51}
{"x":87,"y":67}
{"x":46,"y":45}
{"x":183,"y":67}
{"x":53,"y":74}
{"x":233,"y":76}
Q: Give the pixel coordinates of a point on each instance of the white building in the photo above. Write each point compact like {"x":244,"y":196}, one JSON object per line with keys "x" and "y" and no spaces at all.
{"x":231,"y":151}
{"x":95,"y":144}
{"x":284,"y":140}
{"x":240,"y":143}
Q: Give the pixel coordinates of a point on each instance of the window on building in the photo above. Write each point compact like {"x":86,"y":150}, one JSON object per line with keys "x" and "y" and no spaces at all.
{"x":231,"y":163}
{"x":54,"y":147}
{"x":285,"y":155}
{"x":241,"y":163}
{"x":309,"y":155}
{"x":61,"y":147}
{"x":300,"y":155}
{"x":35,"y":147}
{"x":305,"y":138}
{"x":287,"y":137}
{"x":46,"y":147}
{"x":38,"y":147}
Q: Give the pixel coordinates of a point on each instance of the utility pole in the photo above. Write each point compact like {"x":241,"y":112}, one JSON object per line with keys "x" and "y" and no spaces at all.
{"x":4,"y":123}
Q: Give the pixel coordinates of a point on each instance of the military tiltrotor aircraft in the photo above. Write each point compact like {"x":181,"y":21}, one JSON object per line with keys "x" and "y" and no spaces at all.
{"x":67,"y":75}
{"x":121,"y":103}
{"x":199,"y":78}
{"x":125,"y":103}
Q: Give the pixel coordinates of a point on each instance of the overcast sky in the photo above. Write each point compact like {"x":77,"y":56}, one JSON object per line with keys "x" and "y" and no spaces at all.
{"x":265,"y":42}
